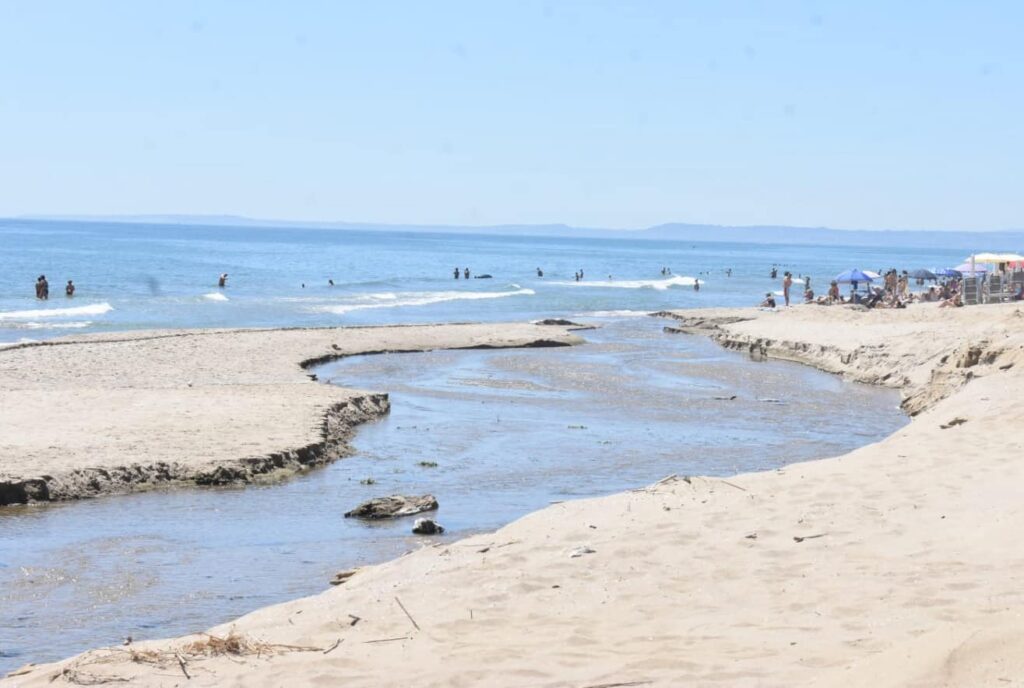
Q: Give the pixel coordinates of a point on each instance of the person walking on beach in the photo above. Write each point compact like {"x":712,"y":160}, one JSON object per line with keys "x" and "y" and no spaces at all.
{"x":223,"y":281}
{"x":456,"y":273}
{"x":69,"y":290}
{"x":787,"y":282}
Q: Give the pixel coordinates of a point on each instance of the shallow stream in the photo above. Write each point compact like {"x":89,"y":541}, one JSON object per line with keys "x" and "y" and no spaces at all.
{"x":509,"y":431}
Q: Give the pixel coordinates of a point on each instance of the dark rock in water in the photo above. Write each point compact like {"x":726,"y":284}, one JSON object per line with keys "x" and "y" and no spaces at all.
{"x":342,"y":576}
{"x":483,"y":277}
{"x":558,"y":321}
{"x":393,"y":507}
{"x":426,"y":526}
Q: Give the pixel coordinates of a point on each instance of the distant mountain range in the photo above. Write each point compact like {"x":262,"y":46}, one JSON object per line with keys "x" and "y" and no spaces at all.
{"x":1012,"y":240}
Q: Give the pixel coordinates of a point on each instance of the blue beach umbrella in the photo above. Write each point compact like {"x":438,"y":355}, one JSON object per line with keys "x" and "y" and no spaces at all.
{"x":854,"y":275}
{"x":948,"y":272}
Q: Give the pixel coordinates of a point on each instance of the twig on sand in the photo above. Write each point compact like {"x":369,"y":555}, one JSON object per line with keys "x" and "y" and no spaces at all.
{"x":732,"y":484}
{"x":181,"y":663}
{"x":618,"y":685}
{"x":797,"y":538}
{"x":407,"y":613}
{"x":355,"y":619}
{"x":386,"y":640}
{"x":334,"y":646}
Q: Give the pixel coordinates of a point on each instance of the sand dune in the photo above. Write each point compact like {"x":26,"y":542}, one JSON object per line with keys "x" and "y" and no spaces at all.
{"x":896,"y":564}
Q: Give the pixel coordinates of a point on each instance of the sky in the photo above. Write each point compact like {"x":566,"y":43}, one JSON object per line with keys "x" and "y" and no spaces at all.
{"x":868,"y":114}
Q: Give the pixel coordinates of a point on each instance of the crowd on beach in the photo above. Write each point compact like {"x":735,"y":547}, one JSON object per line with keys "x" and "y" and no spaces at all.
{"x":893,"y":292}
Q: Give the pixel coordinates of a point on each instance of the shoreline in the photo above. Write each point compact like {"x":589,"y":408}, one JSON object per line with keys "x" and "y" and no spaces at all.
{"x":890,"y":565}
{"x":184,"y":400}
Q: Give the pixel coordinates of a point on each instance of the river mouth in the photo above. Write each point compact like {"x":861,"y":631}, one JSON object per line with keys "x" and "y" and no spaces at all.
{"x":493,"y":434}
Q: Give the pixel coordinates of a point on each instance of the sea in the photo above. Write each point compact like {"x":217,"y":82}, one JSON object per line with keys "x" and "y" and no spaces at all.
{"x":493,"y":435}
{"x":131,"y":277}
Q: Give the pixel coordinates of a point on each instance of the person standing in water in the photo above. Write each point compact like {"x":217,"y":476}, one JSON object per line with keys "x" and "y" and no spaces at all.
{"x":787,"y":282}
{"x":456,"y":273}
{"x":465,"y":273}
{"x":696,"y":285}
{"x":69,"y":290}
{"x":42,"y":288}
{"x":540,"y":273}
{"x":775,"y":272}
{"x":223,"y":281}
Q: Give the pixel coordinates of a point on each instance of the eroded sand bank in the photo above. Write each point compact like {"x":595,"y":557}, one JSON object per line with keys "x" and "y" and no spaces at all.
{"x":896,"y":564}
{"x":95,"y":415}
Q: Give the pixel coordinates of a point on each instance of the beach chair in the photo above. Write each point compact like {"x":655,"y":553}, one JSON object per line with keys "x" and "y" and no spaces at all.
{"x":994,"y":289}
{"x":970,"y":291}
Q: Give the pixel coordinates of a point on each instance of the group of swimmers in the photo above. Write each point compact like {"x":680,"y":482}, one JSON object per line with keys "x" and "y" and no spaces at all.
{"x":43,"y":288}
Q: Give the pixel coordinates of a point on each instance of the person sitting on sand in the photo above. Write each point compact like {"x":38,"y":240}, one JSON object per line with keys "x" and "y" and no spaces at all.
{"x":69,"y":290}
{"x":952,"y":302}
{"x":222,"y":282}
{"x":808,"y":295}
{"x":769,"y":300}
{"x":833,"y":293}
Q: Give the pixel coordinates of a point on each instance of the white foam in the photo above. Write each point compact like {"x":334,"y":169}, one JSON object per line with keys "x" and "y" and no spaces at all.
{"x":70,"y":325}
{"x":92,"y":309}
{"x":660,"y":285}
{"x":215,"y":296}
{"x":392,"y":300}
{"x":613,"y":314}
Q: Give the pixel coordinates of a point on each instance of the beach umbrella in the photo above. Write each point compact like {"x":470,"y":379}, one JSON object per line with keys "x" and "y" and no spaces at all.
{"x":967,"y":267}
{"x":995,"y":258}
{"x":923,"y":274}
{"x":855,"y":275}
{"x":948,"y":272}
{"x":872,"y":274}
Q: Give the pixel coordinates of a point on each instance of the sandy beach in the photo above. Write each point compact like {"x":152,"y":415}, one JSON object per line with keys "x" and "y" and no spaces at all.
{"x":106,"y":414}
{"x":897,"y":564}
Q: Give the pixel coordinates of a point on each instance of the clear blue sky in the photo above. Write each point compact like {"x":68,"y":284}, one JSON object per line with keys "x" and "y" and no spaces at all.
{"x":613,"y":114}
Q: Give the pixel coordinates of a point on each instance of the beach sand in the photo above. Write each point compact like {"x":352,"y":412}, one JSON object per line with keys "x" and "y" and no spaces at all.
{"x":105,"y":414}
{"x":897,"y":564}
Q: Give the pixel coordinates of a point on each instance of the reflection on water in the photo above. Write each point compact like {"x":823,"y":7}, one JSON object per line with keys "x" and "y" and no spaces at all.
{"x":509,"y":432}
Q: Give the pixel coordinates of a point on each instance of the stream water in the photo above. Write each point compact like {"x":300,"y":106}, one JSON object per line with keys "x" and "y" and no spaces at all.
{"x":509,"y":431}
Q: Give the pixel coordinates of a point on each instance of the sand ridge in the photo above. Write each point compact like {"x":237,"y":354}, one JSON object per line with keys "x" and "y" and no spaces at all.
{"x":896,"y":564}
{"x":113,"y":413}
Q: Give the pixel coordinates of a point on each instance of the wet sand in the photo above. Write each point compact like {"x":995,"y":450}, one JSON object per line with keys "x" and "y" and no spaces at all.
{"x":896,"y":564}
{"x":106,"y":414}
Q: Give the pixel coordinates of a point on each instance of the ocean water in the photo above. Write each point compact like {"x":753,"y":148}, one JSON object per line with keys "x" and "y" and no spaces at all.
{"x":155,"y":276}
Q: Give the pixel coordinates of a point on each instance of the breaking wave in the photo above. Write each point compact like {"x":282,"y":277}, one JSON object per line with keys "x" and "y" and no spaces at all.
{"x":91,"y":309}
{"x":660,"y":285}
{"x":393,"y":300}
